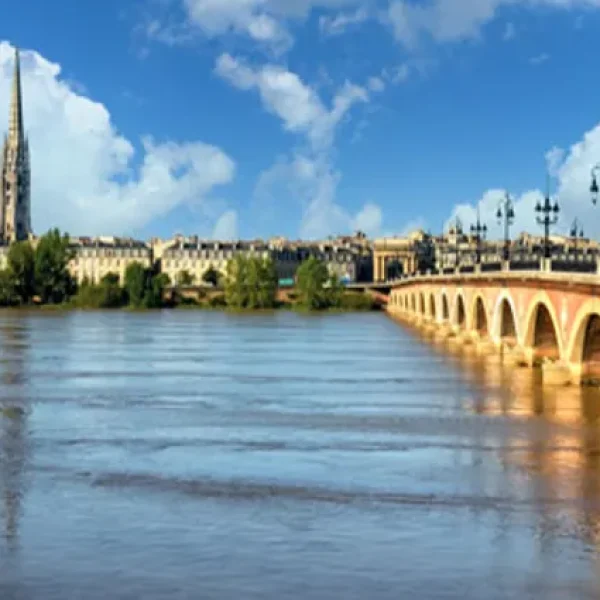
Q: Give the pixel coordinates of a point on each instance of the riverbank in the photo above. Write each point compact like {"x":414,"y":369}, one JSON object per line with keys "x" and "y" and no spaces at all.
{"x":215,"y":301}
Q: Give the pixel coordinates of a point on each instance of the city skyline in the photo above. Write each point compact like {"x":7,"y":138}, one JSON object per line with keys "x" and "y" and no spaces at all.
{"x":310,"y":138}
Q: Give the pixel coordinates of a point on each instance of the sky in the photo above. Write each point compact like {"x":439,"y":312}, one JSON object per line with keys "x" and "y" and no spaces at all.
{"x":304,"y":118}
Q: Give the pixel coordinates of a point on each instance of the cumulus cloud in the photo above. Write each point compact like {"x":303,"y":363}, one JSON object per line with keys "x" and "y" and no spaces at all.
{"x":572,"y":176}
{"x":338,"y":24}
{"x":226,"y":227}
{"x":265,"y":22}
{"x":86,"y":177}
{"x":454,"y":20}
{"x":308,"y":176}
{"x":285,"y":95}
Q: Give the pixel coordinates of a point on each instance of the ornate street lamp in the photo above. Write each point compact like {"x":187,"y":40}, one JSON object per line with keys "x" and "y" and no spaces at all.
{"x":458,"y":231}
{"x":480,"y":232}
{"x":547,"y":215}
{"x":576,"y":233}
{"x":506,"y":213}
{"x":594,"y":186}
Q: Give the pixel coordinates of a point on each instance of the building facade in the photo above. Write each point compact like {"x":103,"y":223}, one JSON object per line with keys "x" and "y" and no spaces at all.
{"x":397,"y":256}
{"x":196,"y":257}
{"x":94,"y":258}
{"x":15,"y":179}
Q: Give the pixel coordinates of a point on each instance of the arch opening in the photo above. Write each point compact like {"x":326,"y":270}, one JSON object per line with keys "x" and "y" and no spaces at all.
{"x":508,"y":326}
{"x":591,"y":348}
{"x":413,"y":303}
{"x":481,"y":322}
{"x":545,"y":341}
{"x":422,"y":304}
{"x":432,"y":312}
{"x":460,"y":312}
{"x":445,"y":309}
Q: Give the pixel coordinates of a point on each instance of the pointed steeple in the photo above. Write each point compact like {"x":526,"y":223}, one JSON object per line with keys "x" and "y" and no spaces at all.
{"x":16,"y":131}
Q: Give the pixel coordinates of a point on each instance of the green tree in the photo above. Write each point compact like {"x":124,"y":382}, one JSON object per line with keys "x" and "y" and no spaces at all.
{"x":184,"y":278}
{"x":21,"y":268}
{"x":250,"y":282}
{"x":53,"y":282}
{"x":311,"y":278}
{"x":136,"y":283}
{"x":156,"y":283}
{"x":8,"y":294}
{"x":111,"y":279}
{"x":107,"y":294}
{"x":334,"y":292}
{"x":211,"y":276}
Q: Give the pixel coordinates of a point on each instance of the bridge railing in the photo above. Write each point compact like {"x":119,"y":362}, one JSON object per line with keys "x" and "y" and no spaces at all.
{"x":585,"y":264}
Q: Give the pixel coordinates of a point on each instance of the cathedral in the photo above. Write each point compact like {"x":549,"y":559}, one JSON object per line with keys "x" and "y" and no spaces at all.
{"x":15,"y":179}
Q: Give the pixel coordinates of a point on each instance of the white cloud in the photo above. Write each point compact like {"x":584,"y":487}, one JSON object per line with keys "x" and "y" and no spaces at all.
{"x":539,"y":59}
{"x":265,"y":22}
{"x":339,"y":23}
{"x":308,"y":176}
{"x":376,"y":84}
{"x":226,"y":227}
{"x":454,"y":20}
{"x":369,"y":220}
{"x":285,"y":95}
{"x":398,"y":74}
{"x":509,"y":32}
{"x":573,"y":177}
{"x":86,"y":177}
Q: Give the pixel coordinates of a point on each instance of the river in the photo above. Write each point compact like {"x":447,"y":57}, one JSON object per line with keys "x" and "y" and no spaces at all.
{"x":200,"y":455}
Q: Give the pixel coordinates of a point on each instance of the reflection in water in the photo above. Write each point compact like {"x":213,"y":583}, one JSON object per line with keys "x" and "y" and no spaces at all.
{"x":14,"y":408}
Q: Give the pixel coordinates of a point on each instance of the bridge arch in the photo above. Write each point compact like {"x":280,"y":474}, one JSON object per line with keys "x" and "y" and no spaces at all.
{"x":542,"y":331}
{"x":583,"y":349}
{"x":422,"y":304}
{"x":505,"y":325}
{"x":445,"y":307}
{"x":413,"y":303}
{"x":460,"y":313}
{"x":432,"y":308}
{"x":479,"y":317}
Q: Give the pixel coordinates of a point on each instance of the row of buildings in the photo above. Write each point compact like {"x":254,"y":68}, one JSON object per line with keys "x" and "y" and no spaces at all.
{"x":351,"y":258}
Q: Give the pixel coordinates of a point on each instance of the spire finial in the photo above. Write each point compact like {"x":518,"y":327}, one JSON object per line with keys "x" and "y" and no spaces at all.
{"x":15,"y":125}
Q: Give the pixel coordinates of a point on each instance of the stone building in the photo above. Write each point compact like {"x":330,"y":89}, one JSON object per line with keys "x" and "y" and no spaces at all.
{"x":197,"y":256}
{"x":396,"y":256}
{"x":98,"y":256}
{"x":15,"y":178}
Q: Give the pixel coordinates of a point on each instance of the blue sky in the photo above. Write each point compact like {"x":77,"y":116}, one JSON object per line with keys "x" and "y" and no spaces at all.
{"x":246,"y":118}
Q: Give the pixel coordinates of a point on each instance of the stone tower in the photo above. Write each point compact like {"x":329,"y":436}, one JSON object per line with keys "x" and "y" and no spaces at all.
{"x":15,"y":205}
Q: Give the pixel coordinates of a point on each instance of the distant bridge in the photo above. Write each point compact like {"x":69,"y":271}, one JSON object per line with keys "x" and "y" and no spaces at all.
{"x":539,"y":317}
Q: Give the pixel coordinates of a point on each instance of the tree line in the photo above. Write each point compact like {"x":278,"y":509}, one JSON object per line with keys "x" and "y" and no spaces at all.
{"x":41,"y":275}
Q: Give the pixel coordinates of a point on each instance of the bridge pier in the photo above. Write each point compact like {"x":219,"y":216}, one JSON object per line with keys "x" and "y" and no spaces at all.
{"x":556,"y":374}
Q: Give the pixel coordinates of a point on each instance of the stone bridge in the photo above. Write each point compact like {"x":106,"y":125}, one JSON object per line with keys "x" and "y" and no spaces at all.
{"x":545,"y":319}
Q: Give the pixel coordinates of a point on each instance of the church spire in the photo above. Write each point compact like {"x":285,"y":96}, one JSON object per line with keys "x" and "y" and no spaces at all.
{"x":15,"y":177}
{"x":16,"y":132}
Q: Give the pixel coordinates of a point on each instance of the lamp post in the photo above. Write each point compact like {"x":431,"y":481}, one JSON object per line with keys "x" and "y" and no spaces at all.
{"x":576,"y":233}
{"x":506,"y":213}
{"x":547,"y":215}
{"x":458,"y":231}
{"x":594,"y":186}
{"x":479,"y":230}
